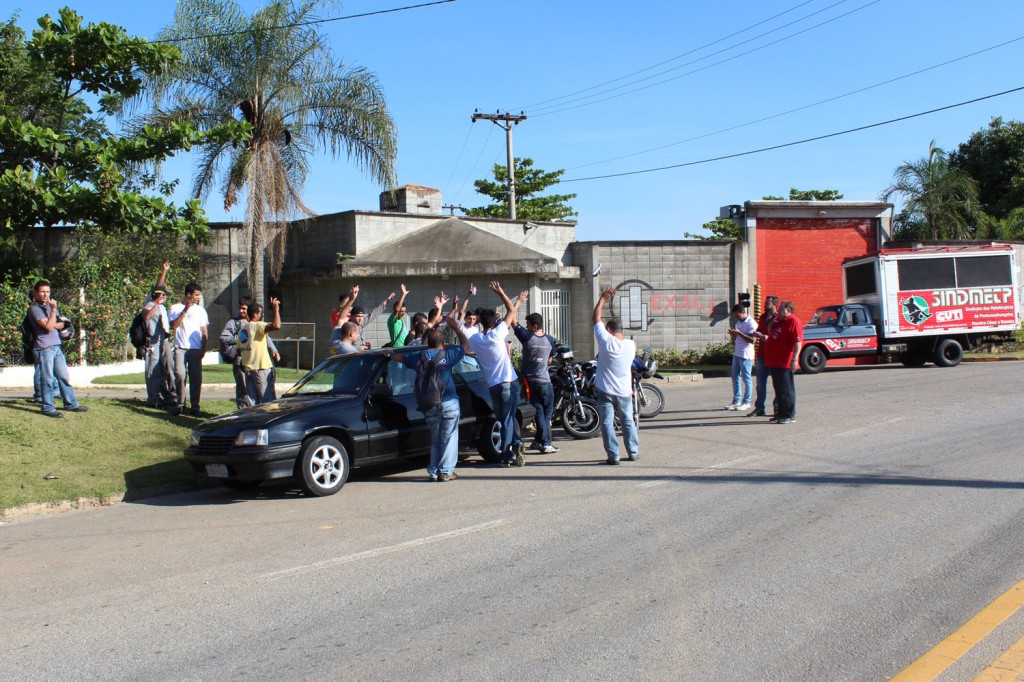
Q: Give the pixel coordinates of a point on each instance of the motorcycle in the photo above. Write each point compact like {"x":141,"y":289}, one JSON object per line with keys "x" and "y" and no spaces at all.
{"x":577,"y":413}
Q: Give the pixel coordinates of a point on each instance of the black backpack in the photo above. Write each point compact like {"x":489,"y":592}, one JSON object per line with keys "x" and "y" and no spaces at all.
{"x":28,"y":339}
{"x":137,"y":332}
{"x":429,"y":386}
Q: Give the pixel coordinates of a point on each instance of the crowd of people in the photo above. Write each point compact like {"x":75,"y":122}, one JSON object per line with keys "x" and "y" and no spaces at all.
{"x":176,"y":340}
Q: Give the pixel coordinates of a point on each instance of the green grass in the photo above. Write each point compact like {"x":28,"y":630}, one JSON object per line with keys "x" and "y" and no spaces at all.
{"x":117,"y":446}
{"x":212,"y":374}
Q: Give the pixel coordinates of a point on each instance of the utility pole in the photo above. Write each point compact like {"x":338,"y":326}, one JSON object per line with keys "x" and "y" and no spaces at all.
{"x":506,"y":121}
{"x":451,"y":209}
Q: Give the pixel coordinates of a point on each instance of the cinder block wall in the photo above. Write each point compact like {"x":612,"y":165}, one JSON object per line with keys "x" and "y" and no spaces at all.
{"x":670,"y":294}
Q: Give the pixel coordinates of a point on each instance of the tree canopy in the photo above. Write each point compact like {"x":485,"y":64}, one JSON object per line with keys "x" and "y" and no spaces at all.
{"x":58,"y":164}
{"x":277,"y":73}
{"x":994,"y":158}
{"x":808,"y":195}
{"x":719,"y":228}
{"x":530,"y":204}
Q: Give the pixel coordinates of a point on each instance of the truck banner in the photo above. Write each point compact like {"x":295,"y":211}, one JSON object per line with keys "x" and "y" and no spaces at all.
{"x":944,"y":309}
{"x":849,"y":345}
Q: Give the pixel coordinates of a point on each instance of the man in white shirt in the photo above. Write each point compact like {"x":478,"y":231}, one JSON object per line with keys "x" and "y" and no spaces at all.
{"x":742,"y":359}
{"x":614,"y":383}
{"x":189,"y":322}
{"x":492,"y":354}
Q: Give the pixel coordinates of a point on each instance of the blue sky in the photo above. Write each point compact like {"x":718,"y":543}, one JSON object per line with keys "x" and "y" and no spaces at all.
{"x":438,"y":64}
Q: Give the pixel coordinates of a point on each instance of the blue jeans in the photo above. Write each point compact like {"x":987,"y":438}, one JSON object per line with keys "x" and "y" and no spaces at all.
{"x":761,"y":373}
{"x":741,"y":373}
{"x":443,"y":421}
{"x":53,"y":370}
{"x":542,"y":397}
{"x":504,"y":398}
{"x":37,"y":384}
{"x":785,"y":391}
{"x":607,"y":406}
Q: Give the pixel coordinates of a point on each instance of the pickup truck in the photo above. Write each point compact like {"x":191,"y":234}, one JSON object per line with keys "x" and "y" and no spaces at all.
{"x":917,"y":305}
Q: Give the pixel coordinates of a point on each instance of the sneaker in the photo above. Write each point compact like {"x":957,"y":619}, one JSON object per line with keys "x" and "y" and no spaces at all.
{"x":518,"y":459}
{"x":80,"y":408}
{"x":195,"y":412}
{"x":634,"y":457}
{"x":744,"y":407}
{"x":734,"y":406}
{"x":55,"y":414}
{"x":785,"y":420}
{"x":611,"y":461}
{"x":539,"y":447}
{"x":549,"y":450}
{"x":433,"y":478}
{"x":175,"y":409}
{"x":756,"y":413}
{"x":447,"y":477}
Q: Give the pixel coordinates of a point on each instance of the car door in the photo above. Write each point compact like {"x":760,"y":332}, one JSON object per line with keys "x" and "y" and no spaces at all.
{"x":397,"y":426}
{"x":859,"y":334}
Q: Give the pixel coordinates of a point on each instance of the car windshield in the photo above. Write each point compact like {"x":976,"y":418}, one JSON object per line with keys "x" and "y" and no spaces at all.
{"x":341,"y":375}
{"x":825,"y":316}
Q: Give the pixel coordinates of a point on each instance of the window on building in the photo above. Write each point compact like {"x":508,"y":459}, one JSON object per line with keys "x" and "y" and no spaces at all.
{"x":554,"y":308}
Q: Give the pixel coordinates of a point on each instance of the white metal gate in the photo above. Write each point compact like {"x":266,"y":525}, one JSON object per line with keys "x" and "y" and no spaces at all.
{"x":555,"y":308}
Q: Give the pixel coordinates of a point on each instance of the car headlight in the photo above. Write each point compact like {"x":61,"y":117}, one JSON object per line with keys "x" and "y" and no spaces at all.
{"x":193,"y":439}
{"x":256,"y":437}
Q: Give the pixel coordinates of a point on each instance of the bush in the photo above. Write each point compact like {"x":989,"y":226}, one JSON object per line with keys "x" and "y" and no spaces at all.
{"x":115,"y":274}
{"x":713,"y":354}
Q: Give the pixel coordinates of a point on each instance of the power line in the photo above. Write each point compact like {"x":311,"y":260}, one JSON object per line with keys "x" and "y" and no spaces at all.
{"x":798,"y":142}
{"x":311,"y":22}
{"x":703,"y":68}
{"x":804,"y":107}
{"x":671,"y":59}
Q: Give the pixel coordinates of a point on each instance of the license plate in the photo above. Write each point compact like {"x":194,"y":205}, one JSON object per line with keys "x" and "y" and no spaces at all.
{"x":217,"y":470}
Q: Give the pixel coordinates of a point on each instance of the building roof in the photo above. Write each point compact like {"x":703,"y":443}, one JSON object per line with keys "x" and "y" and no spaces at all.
{"x":450,"y":247}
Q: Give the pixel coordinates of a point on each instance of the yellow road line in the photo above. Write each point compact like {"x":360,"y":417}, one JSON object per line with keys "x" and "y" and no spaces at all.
{"x":1009,"y":666}
{"x":949,"y":650}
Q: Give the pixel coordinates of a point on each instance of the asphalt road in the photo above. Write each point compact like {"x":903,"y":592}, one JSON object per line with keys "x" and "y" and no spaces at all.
{"x":842,"y":547}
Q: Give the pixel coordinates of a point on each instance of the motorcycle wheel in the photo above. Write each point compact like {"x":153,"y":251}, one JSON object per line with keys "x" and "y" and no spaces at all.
{"x":581,"y":423}
{"x":652,"y":402}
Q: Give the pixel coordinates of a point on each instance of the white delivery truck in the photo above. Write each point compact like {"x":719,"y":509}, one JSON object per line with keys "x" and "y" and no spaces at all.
{"x":927,"y":303}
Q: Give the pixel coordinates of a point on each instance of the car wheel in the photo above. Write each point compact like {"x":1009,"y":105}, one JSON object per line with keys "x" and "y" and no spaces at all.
{"x":490,"y":440}
{"x":949,"y":353}
{"x":323,"y":466}
{"x":235,"y":484}
{"x":812,"y":360}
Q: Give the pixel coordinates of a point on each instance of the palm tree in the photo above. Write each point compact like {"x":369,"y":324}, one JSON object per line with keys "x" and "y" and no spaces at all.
{"x":277,"y":73}
{"x":939,"y":201}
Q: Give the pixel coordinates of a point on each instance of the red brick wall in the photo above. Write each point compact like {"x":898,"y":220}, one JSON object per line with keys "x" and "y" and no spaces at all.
{"x":800,"y":259}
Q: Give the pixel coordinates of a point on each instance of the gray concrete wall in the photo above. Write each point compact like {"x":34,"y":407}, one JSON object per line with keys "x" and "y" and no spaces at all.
{"x":670,"y":294}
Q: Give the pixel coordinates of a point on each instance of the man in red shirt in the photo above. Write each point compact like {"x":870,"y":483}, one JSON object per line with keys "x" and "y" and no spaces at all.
{"x":781,"y":354}
{"x":771,"y":306}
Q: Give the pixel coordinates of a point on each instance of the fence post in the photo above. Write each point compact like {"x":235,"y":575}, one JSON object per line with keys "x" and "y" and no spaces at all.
{"x":82,"y":345}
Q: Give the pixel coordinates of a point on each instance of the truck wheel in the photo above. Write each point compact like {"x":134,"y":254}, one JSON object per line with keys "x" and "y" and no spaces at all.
{"x":812,"y":360}
{"x":949,"y":353}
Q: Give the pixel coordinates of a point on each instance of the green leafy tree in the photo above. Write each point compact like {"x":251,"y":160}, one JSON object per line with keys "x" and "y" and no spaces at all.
{"x":276,"y":73}
{"x":719,"y":228}
{"x":808,"y":195}
{"x":994,"y":158}
{"x":51,"y":174}
{"x":530,"y":204}
{"x":939,"y":201}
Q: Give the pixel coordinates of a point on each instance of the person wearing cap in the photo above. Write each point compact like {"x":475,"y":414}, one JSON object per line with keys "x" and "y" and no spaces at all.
{"x":160,"y":390}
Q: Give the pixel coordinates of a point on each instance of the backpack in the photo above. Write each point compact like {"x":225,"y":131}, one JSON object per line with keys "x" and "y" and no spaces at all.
{"x":429,"y":386}
{"x":137,"y":333}
{"x":28,"y":339}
